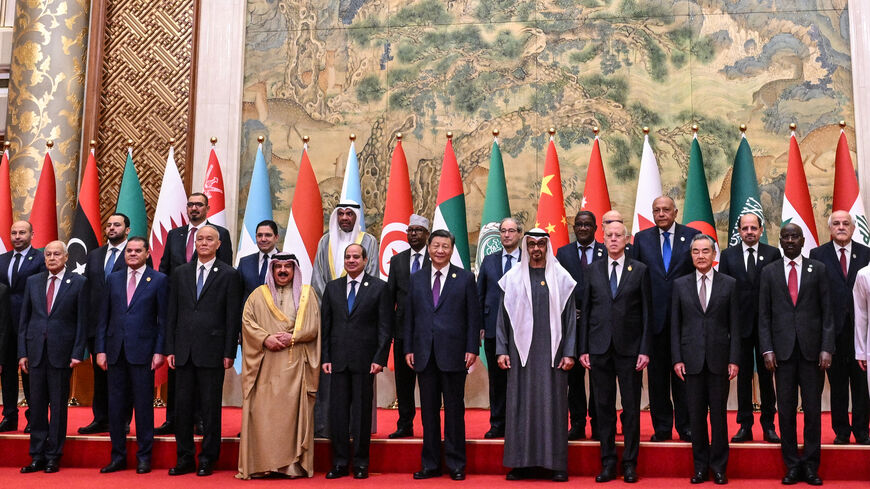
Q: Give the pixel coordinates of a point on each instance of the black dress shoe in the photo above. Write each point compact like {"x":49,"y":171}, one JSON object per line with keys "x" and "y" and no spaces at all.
{"x":811,"y":477}
{"x":35,"y":466}
{"x":166,"y":428}
{"x":515,"y":475}
{"x":629,"y":474}
{"x":687,"y":436}
{"x":608,"y":473}
{"x":143,"y":467}
{"x":577,"y":433}
{"x":94,"y":427}
{"x":864,"y":440}
{"x":114,"y":466}
{"x":491,"y":434}
{"x":720,"y":478}
{"x":457,"y":475}
{"x":197,"y":428}
{"x":337,"y":471}
{"x":27,"y":427}
{"x":560,"y":476}
{"x":8,"y":425}
{"x":427,"y":474}
{"x":127,"y":429}
{"x":182,"y":469}
{"x":205,"y":469}
{"x":661,"y":437}
{"x":770,"y":436}
{"x":401,"y":433}
{"x":840,"y":440}
{"x":792,"y":477}
{"x":699,"y":477}
{"x":743,"y":434}
{"x":51,"y":466}
{"x":360,"y":472}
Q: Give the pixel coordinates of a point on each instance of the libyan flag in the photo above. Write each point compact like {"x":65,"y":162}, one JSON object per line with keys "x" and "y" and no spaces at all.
{"x":86,"y":223}
{"x":450,"y":207}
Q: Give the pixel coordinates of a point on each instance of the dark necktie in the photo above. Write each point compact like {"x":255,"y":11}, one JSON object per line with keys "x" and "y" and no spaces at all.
{"x":843,"y":266}
{"x":351,"y":297}
{"x":750,"y":265}
{"x":49,"y":296}
{"x":702,"y":294}
{"x":15,"y":264}
{"x":613,"y":280}
{"x":189,"y":249}
{"x":436,"y":288}
{"x":584,"y":261}
{"x":507,"y":264}
{"x":666,"y":249}
{"x":110,"y":263}
{"x":793,"y":282}
{"x":263,"y":268}
{"x":200,"y":281}
{"x":415,"y":267}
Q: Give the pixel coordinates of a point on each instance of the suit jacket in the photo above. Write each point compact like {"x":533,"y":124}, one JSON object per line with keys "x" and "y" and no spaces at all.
{"x":451,"y":329}
{"x":842,"y":303}
{"x":731,"y":263}
{"x":625,"y":322}
{"x":398,"y":280}
{"x":6,"y":324}
{"x":355,"y":340}
{"x":139,"y":328}
{"x":59,"y":335}
{"x":31,"y":264}
{"x":648,"y":249}
{"x":708,"y":338}
{"x":97,"y":291}
{"x":205,"y":330}
{"x":781,"y":323}
{"x":249,"y":272}
{"x":569,"y":257}
{"x":175,"y":250}
{"x":488,"y":290}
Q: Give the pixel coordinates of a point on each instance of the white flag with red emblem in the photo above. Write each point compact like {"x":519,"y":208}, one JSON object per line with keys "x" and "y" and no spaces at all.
{"x":649,"y":188}
{"x":397,"y":211}
{"x":171,"y":210}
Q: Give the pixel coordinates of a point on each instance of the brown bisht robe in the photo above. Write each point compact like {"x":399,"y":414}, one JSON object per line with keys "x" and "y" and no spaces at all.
{"x":279,"y":388}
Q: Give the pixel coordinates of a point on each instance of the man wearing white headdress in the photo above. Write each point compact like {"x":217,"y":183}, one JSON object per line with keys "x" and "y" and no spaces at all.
{"x":280,"y":367}
{"x":536,"y":343}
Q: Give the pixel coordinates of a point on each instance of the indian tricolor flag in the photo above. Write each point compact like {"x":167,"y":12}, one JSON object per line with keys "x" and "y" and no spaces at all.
{"x":450,"y":207}
{"x":846,"y":196}
{"x":797,"y":208}
{"x":649,"y":188}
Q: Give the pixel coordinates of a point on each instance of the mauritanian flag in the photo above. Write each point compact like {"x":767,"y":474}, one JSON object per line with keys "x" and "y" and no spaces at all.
{"x":596,"y":199}
{"x":305,"y":226}
{"x":745,"y":197}
{"x":5,"y":203}
{"x":551,"y":203}
{"x":846,"y":196}
{"x":131,"y":201}
{"x":258,"y":207}
{"x":797,"y":208}
{"x":86,"y":235}
{"x":450,"y":207}
{"x":698,"y":212}
{"x":350,"y":188}
{"x":213,"y":188}
{"x":649,"y":188}
{"x":43,"y":214}
{"x":171,"y":210}
{"x":397,"y":210}
{"x":495,"y":206}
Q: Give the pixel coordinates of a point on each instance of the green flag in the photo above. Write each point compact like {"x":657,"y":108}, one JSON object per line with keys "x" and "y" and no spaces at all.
{"x":745,"y":196}
{"x":495,"y":207}
{"x":698,"y":211}
{"x":131,"y":202}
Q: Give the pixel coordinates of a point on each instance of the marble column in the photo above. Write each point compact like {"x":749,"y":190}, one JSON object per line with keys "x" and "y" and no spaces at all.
{"x":859,"y":39}
{"x":46,"y":91}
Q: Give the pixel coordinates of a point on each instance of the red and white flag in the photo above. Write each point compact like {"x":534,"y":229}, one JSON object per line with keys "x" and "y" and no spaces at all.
{"x":171,"y":210}
{"x":397,"y":211}
{"x":305,"y":226}
{"x":649,"y":188}
{"x":43,"y":214}
{"x":5,"y":204}
{"x":551,"y":201}
{"x":797,"y":208}
{"x":213,"y":188}
{"x":846,"y":195}
{"x":596,"y":199}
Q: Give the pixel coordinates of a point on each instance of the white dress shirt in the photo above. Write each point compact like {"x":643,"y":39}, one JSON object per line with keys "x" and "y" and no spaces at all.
{"x":798,"y":264}
{"x":589,"y":250}
{"x":746,"y":254}
{"x":443,"y":276}
{"x":848,"y":249}
{"x":24,"y":253}
{"x":670,"y":237}
{"x":208,"y":266}
{"x":709,"y":276}
{"x":358,"y":279}
{"x":56,"y":284}
{"x":118,"y":256}
{"x":515,"y":254}
{"x":421,"y":252}
{"x":620,"y":263}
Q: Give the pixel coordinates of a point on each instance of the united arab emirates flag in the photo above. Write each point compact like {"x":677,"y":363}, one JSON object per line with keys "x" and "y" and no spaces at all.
{"x":86,"y":234}
{"x":450,"y":207}
{"x":131,"y":201}
{"x":745,"y":197}
{"x":495,"y":207}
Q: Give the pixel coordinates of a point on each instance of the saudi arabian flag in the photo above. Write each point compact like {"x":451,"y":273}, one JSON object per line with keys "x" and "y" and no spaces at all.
{"x":131,"y":201}
{"x":495,"y":207}
{"x":745,"y":197}
{"x":450,"y":207}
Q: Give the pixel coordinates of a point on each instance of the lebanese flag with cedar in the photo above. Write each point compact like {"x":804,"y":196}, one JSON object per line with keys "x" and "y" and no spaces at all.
{"x":551,"y":203}
{"x":649,"y":188}
{"x":596,"y":198}
{"x":43,"y":214}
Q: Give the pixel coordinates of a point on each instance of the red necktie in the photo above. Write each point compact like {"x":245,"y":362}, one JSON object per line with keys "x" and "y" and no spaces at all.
{"x":191,"y":236}
{"x":843,"y":266}
{"x":49,"y":296}
{"x":793,"y":282}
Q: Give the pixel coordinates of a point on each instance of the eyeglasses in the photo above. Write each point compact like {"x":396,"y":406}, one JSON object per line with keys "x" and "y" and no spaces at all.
{"x":196,"y":204}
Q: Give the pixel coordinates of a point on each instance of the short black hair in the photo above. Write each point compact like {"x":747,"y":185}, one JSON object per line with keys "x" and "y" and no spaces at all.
{"x":268,"y":222}
{"x":141,"y":240}
{"x":365,"y":254}
{"x":442,"y":233}
{"x":199,"y":194}
{"x":585,"y":213}
{"x":124,"y":216}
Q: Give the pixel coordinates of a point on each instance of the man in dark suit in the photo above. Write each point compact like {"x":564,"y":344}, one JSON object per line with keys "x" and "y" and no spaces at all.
{"x":202,"y":331}
{"x":402,"y":266}
{"x":796,"y":333}
{"x":615,"y":323}
{"x":705,"y":344}
{"x":576,"y":258}
{"x":664,"y":249}
{"x":491,"y":270}
{"x":130,"y":342}
{"x":51,"y":341}
{"x":442,"y":334}
{"x":178,"y":250}
{"x":843,"y":257}
{"x":356,"y":313}
{"x":16,"y":266}
{"x":253,"y":268}
{"x":744,"y":262}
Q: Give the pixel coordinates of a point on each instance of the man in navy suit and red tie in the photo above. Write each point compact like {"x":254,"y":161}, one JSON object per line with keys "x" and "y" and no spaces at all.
{"x":129,"y":345}
{"x":254,"y":267}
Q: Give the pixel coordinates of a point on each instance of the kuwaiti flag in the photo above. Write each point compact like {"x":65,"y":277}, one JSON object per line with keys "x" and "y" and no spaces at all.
{"x":213,"y":188}
{"x":596,"y":199}
{"x":551,"y":203}
{"x":350,"y":189}
{"x":397,"y":210}
{"x":86,"y":235}
{"x":698,"y":212}
{"x":305,"y":226}
{"x":450,"y":207}
{"x":5,"y":203}
{"x":846,"y":195}
{"x":43,"y":214}
{"x":745,"y":197}
{"x":797,"y":208}
{"x":495,"y":206}
{"x":649,"y":188}
{"x":258,"y":207}
{"x":171,"y":210}
{"x":131,"y":201}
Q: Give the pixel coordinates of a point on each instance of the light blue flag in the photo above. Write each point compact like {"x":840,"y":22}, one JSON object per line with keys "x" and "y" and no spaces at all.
{"x":258,"y":208}
{"x":350,"y":189}
{"x":237,"y":363}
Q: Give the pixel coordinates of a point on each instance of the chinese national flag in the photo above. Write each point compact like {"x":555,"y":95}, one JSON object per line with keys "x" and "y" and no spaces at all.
{"x":551,"y":203}
{"x":596,"y":199}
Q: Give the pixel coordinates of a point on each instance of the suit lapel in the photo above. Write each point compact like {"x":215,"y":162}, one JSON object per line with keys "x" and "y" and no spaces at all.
{"x":445,"y":288}
{"x":362,"y":288}
{"x":144,"y":282}
{"x":780,"y":278}
{"x":62,"y":285}
{"x":806,"y":275}
{"x":120,"y":261}
{"x":627,"y":270}
{"x":26,"y":265}
{"x":212,"y":276}
{"x":853,"y":267}
{"x":716,"y":293}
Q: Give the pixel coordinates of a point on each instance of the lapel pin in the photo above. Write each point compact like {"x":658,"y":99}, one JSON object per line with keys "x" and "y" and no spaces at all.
{"x":682,"y":238}
{"x":214,"y":269}
{"x":67,"y":280}
{"x":543,"y":283}
{"x":629,"y":268}
{"x":453,"y":275}
{"x":854,"y":255}
{"x":365,"y":284}
{"x":810,"y":269}
{"x":29,"y":257}
{"x":760,"y":258}
{"x":147,"y":279}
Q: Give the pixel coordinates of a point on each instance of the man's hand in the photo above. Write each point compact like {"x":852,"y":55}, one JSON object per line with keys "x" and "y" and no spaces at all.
{"x":170,"y":360}
{"x":75,"y":361}
{"x":409,"y":359}
{"x":824,"y":360}
{"x":228,"y":363}
{"x":327,"y":368}
{"x":642,"y":362}
{"x":272,"y":343}
{"x":733,"y":370}
{"x":157,"y":361}
{"x":680,"y":369}
{"x":102,"y":362}
{"x":566,"y":364}
{"x":863,"y":364}
{"x":770,"y":361}
{"x":285,"y":338}
{"x":376,"y":369}
{"x":584,"y":360}
{"x":469,"y":360}
{"x":504,"y":362}
{"x":23,"y":365}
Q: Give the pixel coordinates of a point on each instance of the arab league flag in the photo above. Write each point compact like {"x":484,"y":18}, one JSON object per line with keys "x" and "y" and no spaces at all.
{"x":258,"y":207}
{"x":5,"y":204}
{"x":86,"y":234}
{"x":745,"y":197}
{"x":649,"y":188}
{"x":797,"y":208}
{"x":43,"y":214}
{"x":698,"y":210}
{"x":846,"y":195}
{"x":596,"y":198}
{"x":350,"y":189}
{"x":397,"y":210}
{"x":450,"y":207}
{"x":131,"y":201}
{"x":171,"y":210}
{"x":551,"y":203}
{"x":495,"y":207}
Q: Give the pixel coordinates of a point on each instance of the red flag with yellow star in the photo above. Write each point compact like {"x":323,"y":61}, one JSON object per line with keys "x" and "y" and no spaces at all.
{"x":551,"y":203}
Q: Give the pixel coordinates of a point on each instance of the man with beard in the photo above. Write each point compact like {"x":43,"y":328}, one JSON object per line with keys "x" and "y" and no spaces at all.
{"x":254,"y":267}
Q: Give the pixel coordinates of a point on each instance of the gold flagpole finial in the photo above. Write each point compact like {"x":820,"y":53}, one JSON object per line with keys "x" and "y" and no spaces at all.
{"x":743,"y":128}
{"x":172,"y":141}
{"x":129,"y":141}
{"x":646,"y":129}
{"x":552,"y":131}
{"x":213,"y":140}
{"x":92,"y":144}
{"x":595,"y":130}
{"x":398,"y":136}
{"x":352,"y":137}
{"x":450,"y":135}
{"x":305,"y":139}
{"x":49,"y":144}
{"x":6,"y":144}
{"x":260,"y":139}
{"x":842,"y":124}
{"x":695,"y":128}
{"x":792,"y":126}
{"x":495,"y":133}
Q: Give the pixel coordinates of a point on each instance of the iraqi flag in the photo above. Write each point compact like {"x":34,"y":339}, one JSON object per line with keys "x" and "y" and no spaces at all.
{"x":649,"y":188}
{"x":86,"y":234}
{"x":495,"y":207}
{"x":258,"y":207}
{"x":43,"y":214}
{"x":551,"y":203}
{"x":305,"y":226}
{"x":213,"y":188}
{"x":350,"y":188}
{"x":846,"y":195}
{"x":596,"y":199}
{"x":397,"y":210}
{"x":797,"y":208}
{"x":450,"y":206}
{"x":5,"y":202}
{"x":171,"y":210}
{"x":698,"y":212}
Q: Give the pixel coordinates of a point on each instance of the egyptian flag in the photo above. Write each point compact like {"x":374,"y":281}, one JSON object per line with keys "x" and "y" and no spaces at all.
{"x":86,"y":234}
{"x":43,"y":214}
{"x":450,"y":207}
{"x":797,"y":208}
{"x":596,"y":199}
{"x":551,"y":203}
{"x":5,"y":203}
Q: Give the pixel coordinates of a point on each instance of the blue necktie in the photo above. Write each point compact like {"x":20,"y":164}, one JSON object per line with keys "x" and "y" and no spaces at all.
{"x":200,"y":280}
{"x":263,"y":269}
{"x":666,"y":250}
{"x":415,"y":267}
{"x":111,"y":263}
{"x":351,"y":297}
{"x":507,"y":264}
{"x":613,"y":280}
